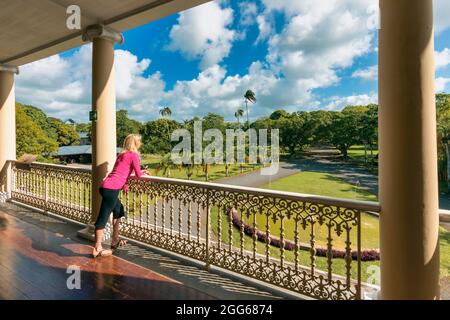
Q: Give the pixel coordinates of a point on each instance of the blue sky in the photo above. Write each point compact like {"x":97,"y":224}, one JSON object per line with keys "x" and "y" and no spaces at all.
{"x":296,"y":55}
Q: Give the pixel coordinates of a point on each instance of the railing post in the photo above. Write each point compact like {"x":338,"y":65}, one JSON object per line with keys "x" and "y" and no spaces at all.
{"x":9,"y":179}
{"x":208,"y":213}
{"x":6,"y":195}
{"x":358,"y":244}
{"x":11,"y":185}
{"x":46,"y":192}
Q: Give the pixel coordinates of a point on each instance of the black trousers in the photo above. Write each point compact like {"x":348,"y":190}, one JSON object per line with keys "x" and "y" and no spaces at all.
{"x":110,"y":203}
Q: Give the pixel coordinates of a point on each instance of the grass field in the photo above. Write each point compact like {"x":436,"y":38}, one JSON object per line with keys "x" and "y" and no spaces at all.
{"x":319,"y":183}
{"x":356,"y":153}
{"x":216,"y":171}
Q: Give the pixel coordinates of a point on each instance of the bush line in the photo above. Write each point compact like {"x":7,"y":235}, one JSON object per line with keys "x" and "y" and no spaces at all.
{"x":366,"y":255}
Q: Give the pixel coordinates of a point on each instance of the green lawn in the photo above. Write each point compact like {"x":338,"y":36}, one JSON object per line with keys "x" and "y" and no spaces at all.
{"x":357,"y":153}
{"x":356,"y":156}
{"x":319,"y":183}
{"x":216,"y":171}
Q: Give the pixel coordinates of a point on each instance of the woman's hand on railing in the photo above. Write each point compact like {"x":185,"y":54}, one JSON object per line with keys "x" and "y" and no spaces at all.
{"x":146,"y":172}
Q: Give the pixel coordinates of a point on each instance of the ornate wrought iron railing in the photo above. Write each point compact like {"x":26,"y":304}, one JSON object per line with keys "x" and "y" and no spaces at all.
{"x":286,"y":239}
{"x":63,"y":190}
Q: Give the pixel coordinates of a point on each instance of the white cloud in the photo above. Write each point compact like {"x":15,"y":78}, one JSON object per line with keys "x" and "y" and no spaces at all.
{"x":441,"y":84}
{"x":338,"y":103}
{"x":264,"y":26}
{"x":248,"y":12}
{"x":203,"y":32}
{"x":368,"y":74}
{"x":441,"y":15}
{"x":315,"y":42}
{"x":59,"y":85}
{"x":213,"y":91}
{"x":442,"y":58}
{"x":289,"y":7}
{"x":62,"y":86}
{"x":319,"y":39}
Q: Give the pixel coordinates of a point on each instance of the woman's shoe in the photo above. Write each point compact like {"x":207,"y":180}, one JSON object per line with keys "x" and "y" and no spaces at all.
{"x":101,"y":253}
{"x":118,"y":244}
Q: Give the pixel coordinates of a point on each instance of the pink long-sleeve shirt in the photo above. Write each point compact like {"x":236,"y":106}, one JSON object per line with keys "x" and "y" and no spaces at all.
{"x":125,"y":164}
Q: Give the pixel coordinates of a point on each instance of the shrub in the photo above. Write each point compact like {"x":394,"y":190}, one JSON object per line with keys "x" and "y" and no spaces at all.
{"x":366,"y":255}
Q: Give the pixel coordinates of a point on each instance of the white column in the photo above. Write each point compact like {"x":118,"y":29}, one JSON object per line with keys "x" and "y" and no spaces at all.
{"x":409,"y":219}
{"x":7,"y":126}
{"x":103,"y":107}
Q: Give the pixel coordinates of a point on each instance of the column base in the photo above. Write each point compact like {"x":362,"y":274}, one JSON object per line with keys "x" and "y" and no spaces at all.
{"x":4,"y":197}
{"x":372,"y":295}
{"x":88,"y":233}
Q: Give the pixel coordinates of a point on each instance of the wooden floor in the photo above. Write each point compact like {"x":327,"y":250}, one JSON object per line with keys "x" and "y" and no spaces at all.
{"x":34,"y":262}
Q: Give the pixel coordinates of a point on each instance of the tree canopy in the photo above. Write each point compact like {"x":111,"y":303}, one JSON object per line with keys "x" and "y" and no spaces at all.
{"x":30,"y":136}
{"x":125,"y":126}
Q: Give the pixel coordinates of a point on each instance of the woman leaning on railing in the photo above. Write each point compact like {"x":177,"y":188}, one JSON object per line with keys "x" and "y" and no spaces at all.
{"x":126,"y":163}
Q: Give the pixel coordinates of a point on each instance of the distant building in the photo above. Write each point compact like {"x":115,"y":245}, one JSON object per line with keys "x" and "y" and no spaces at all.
{"x":70,"y":122}
{"x":77,"y":154}
{"x":85,"y":140}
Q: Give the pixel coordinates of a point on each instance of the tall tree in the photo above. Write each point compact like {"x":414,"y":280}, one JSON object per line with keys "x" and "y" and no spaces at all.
{"x":214,"y":121}
{"x":278,"y":114}
{"x":125,"y":126}
{"x":322,"y":126}
{"x":344,"y":131}
{"x":154,"y":135}
{"x":238,"y":114}
{"x":83,"y":127}
{"x":165,"y":112}
{"x":165,"y":165}
{"x":249,"y":96}
{"x":365,"y":125}
{"x":296,"y":132}
{"x":31,"y":138}
{"x":64,"y":134}
{"x":55,"y":129}
{"x":443,"y":130}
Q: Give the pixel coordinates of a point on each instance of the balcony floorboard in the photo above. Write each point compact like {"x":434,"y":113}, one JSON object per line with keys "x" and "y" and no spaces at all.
{"x":36,"y":251}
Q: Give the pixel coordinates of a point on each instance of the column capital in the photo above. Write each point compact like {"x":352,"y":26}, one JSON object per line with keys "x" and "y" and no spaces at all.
{"x":9,"y":68}
{"x":100,"y":31}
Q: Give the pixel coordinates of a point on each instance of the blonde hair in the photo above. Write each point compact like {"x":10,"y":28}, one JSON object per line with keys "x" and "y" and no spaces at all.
{"x":131,"y":143}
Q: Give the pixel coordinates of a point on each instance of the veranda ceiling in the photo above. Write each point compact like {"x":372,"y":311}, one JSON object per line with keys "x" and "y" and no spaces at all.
{"x":35,"y":29}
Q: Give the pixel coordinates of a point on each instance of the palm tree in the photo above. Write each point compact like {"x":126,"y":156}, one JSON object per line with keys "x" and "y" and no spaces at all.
{"x":165,"y":165}
{"x":165,"y":112}
{"x":189,"y":168}
{"x":249,"y":96}
{"x":238,"y":114}
{"x":206,"y":167}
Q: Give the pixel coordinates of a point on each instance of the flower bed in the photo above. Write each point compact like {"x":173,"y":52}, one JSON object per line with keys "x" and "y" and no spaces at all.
{"x":366,"y":255}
